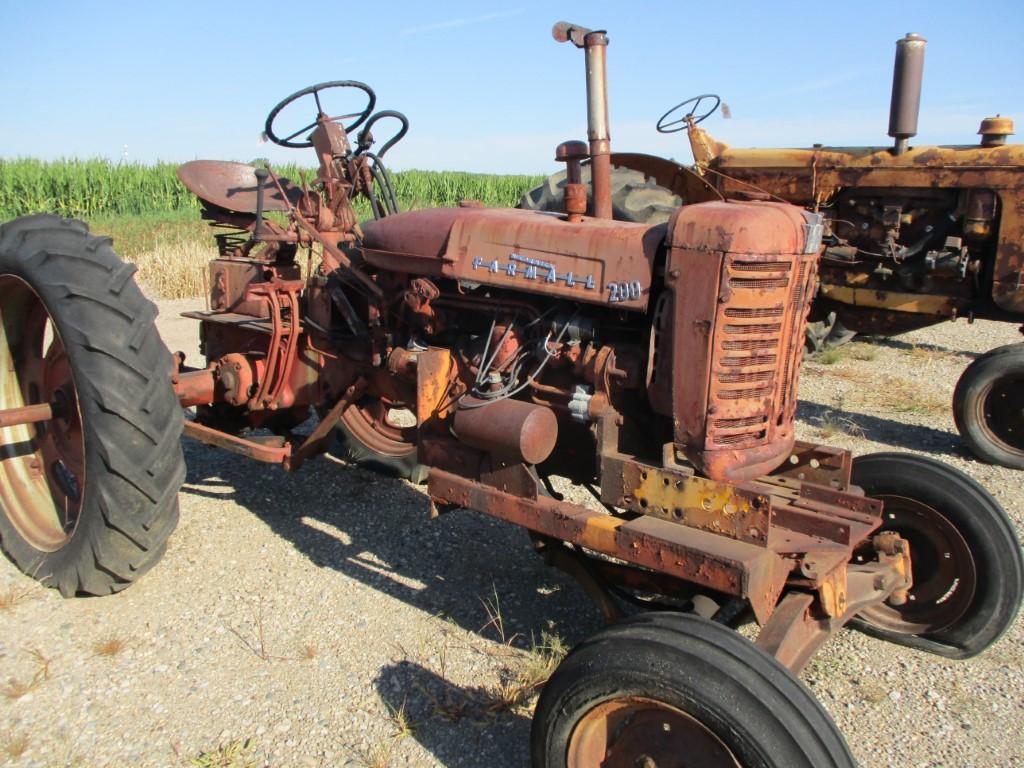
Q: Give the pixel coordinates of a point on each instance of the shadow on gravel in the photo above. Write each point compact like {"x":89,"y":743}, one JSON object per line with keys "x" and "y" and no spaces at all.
{"x":907,"y":346}
{"x":896,"y":433}
{"x":440,"y":710}
{"x":463,"y":566}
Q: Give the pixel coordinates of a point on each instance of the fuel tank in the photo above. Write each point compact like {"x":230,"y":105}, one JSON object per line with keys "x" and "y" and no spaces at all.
{"x":596,"y":261}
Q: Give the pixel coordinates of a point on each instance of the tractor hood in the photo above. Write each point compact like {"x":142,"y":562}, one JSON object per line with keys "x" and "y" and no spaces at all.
{"x":530,"y":251}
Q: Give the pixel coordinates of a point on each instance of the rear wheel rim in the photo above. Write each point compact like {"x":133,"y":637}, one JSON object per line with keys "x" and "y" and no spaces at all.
{"x":42,"y":465}
{"x":638,"y":732}
{"x":1000,"y":415}
{"x":945,"y":574}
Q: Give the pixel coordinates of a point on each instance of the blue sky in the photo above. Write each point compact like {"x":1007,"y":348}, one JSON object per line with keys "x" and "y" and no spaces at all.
{"x":484,"y":85}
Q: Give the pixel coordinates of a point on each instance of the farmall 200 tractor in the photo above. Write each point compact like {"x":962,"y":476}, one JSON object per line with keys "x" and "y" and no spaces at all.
{"x":658,"y":363}
{"x":914,"y":235}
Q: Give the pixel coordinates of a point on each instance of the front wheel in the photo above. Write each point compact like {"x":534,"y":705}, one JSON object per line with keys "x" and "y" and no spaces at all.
{"x":89,"y":483}
{"x":988,"y":406}
{"x":668,"y":689}
{"x":967,"y":566}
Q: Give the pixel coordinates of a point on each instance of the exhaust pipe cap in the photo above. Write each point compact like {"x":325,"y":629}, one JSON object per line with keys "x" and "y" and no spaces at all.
{"x":994,"y":130}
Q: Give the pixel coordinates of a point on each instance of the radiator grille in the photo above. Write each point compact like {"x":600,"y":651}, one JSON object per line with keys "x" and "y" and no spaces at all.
{"x":754,"y":312}
{"x":758,"y":282}
{"x":754,"y":355}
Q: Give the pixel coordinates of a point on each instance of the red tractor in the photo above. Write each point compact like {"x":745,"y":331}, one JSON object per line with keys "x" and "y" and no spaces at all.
{"x":658,"y":363}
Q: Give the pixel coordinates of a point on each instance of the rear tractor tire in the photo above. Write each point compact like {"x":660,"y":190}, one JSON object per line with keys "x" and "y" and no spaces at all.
{"x":88,"y":496}
{"x":988,"y":406}
{"x":967,"y":566}
{"x":669,"y":689}
{"x":634,"y":198}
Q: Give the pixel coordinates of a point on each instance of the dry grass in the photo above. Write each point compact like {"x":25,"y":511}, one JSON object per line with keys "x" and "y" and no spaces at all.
{"x":308,"y":652}
{"x":830,"y":424}
{"x":515,"y":691}
{"x":829,"y":356}
{"x":109,"y":646}
{"x":15,"y":689}
{"x":235,"y":754}
{"x":13,"y":595}
{"x":13,"y":746}
{"x":495,"y":621}
{"x":853,"y":375}
{"x":380,"y":755}
{"x":900,"y":396}
{"x":860,"y":351}
{"x":175,"y":269}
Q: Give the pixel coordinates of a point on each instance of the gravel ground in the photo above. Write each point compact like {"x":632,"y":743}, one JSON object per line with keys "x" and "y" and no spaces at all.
{"x":320,"y":619}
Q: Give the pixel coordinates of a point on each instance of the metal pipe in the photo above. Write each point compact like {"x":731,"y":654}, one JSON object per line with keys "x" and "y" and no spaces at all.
{"x":907,"y":74}
{"x":595,"y":45}
{"x":195,"y":387}
{"x":29,"y":414}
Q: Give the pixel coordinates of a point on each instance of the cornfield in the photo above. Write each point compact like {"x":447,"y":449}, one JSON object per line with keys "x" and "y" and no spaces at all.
{"x":100,"y":188}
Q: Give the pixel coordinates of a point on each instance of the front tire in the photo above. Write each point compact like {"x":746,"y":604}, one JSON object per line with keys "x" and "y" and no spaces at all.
{"x":665,"y":688}
{"x":89,"y":498}
{"x":967,"y":565}
{"x":988,"y":406}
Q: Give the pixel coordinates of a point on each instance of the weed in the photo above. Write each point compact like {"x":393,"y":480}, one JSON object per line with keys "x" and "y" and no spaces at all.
{"x":514,"y":692}
{"x":15,"y":688}
{"x":109,"y":646}
{"x":401,"y":722}
{"x":258,"y":642}
{"x":872,"y":693}
{"x":830,"y":424}
{"x":13,"y":595}
{"x":899,"y":396}
{"x":379,"y":755}
{"x":235,"y":754}
{"x":861,"y":351}
{"x":14,"y":746}
{"x":829,"y":356}
{"x":492,"y":606}
{"x":852,"y":375}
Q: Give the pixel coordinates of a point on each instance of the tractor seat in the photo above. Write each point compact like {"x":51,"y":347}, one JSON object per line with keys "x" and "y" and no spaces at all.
{"x":232,"y":186}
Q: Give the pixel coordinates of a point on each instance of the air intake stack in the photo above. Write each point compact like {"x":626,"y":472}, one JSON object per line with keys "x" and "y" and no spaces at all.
{"x":906,"y":90}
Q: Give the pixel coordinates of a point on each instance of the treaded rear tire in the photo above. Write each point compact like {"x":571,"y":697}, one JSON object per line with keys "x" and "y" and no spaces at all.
{"x":131,"y":421}
{"x":634,"y":198}
{"x":754,"y":705}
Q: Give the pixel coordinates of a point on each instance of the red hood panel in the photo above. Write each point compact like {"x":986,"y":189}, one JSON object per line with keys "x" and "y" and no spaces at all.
{"x":595,"y":260}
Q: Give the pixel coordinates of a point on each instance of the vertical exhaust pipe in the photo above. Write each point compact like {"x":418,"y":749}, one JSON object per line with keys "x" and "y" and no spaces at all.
{"x":907,"y":74}
{"x":595,"y":46}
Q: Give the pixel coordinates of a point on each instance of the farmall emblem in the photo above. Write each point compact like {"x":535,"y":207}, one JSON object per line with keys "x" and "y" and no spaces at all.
{"x":533,"y":269}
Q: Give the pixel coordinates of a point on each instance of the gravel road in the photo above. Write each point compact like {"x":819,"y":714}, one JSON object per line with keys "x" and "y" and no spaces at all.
{"x":320,"y":619}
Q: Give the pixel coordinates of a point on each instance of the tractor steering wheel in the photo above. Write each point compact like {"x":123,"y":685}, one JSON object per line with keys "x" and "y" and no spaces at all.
{"x":672,"y":126}
{"x":315,"y":91}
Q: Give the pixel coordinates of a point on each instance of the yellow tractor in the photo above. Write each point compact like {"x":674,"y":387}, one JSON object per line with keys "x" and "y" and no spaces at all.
{"x":913,"y":235}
